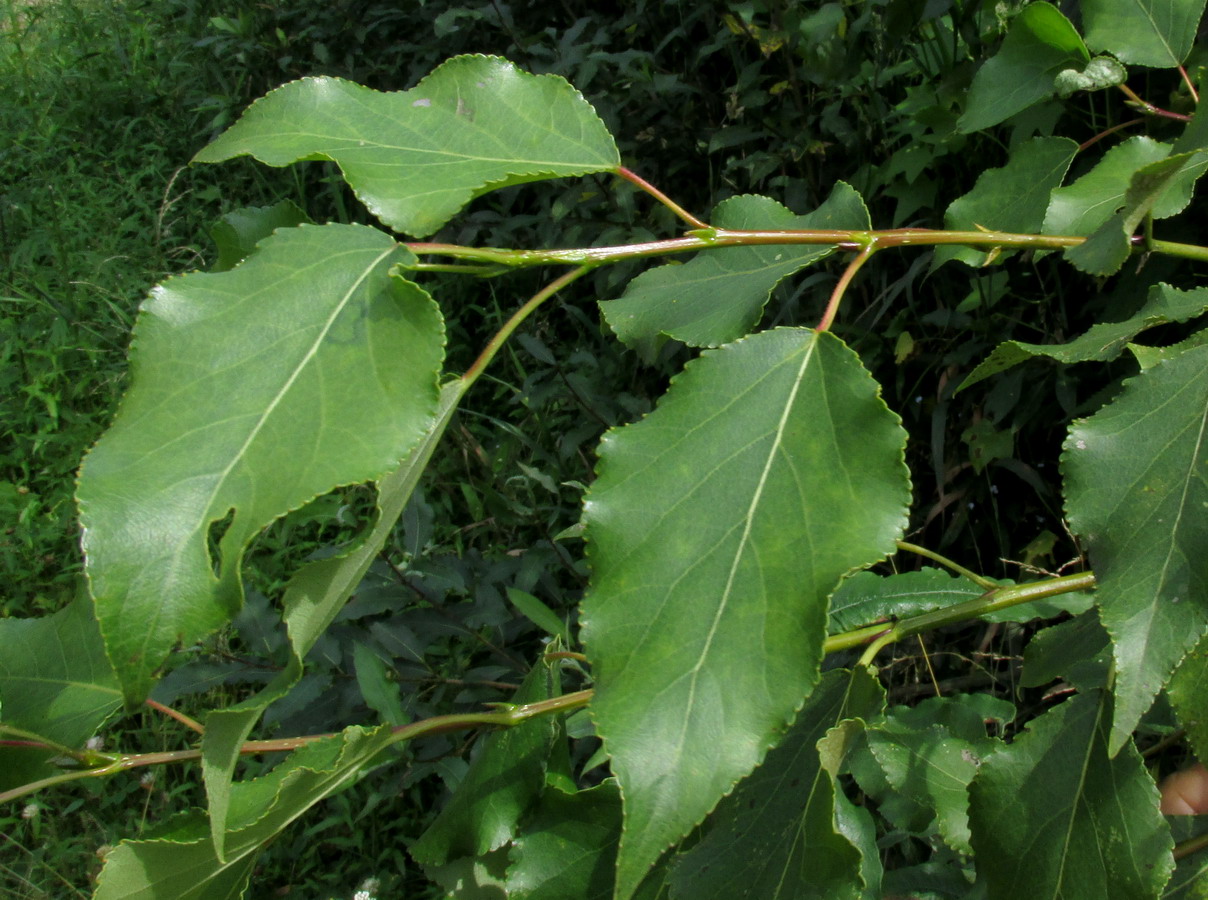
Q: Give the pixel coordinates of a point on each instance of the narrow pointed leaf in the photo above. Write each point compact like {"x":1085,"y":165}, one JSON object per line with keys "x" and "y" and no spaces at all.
{"x":1054,"y":816}
{"x":414,"y":158}
{"x":717,"y":528}
{"x":1103,"y":341}
{"x":503,"y":781}
{"x":1137,"y":488}
{"x":56,"y":682}
{"x":778,"y":836}
{"x":718,"y":296}
{"x":1013,"y":198}
{"x":312,"y":599}
{"x":1156,"y":33}
{"x":1039,"y":46}
{"x":181,"y":863}
{"x":307,"y":367}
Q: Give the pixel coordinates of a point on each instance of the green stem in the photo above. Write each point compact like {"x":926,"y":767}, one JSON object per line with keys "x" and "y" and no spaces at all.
{"x":1186,"y":251}
{"x":980,"y":580}
{"x":836,"y":297}
{"x":518,"y":317}
{"x":662,"y":198}
{"x":1190,"y":846}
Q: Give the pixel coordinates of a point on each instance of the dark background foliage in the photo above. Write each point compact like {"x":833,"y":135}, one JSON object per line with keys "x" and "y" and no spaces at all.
{"x":104,"y":104}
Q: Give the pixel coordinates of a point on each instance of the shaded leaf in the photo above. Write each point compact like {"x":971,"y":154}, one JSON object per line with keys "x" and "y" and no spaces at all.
{"x":1136,"y":493}
{"x":1039,"y":46}
{"x":238,"y":232}
{"x":1156,"y":33}
{"x":1083,"y":206}
{"x":718,"y":295}
{"x":56,"y":682}
{"x":1148,"y":357}
{"x":1053,"y":815}
{"x":1188,"y":691}
{"x":414,"y":158}
{"x":1013,"y":198}
{"x":716,"y":530}
{"x":778,"y":836}
{"x":1101,"y":72}
{"x":379,"y":692}
{"x":568,"y":846}
{"x":1078,"y":650}
{"x":504,"y":779}
{"x":1103,"y":341}
{"x":180,"y":863}
{"x":867,"y":597}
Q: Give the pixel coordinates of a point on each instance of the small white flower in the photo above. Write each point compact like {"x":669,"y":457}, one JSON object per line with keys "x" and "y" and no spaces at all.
{"x":30,"y":811}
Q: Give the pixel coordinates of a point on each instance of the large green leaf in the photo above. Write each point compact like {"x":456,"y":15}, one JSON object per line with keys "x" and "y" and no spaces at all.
{"x":181,"y":863}
{"x":1136,"y":489}
{"x":1103,"y":341}
{"x":1040,"y":45}
{"x":307,"y":367}
{"x":777,"y":836}
{"x":1083,"y":206}
{"x":1013,"y":198}
{"x":717,"y":528}
{"x":312,"y":599}
{"x":717,"y":296}
{"x":503,"y":781}
{"x":1143,"y":32}
{"x":56,"y":682}
{"x":1054,"y":816}
{"x":414,"y":158}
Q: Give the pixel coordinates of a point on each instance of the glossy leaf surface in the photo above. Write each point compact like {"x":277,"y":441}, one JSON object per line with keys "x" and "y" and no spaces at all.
{"x":1137,"y":488}
{"x":1054,"y":816}
{"x":718,"y":295}
{"x":255,"y":390}
{"x":414,"y":158}
{"x":717,"y":528}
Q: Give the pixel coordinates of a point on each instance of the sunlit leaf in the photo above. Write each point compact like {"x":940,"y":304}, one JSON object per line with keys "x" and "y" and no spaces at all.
{"x":777,"y":836}
{"x":414,"y":158}
{"x":1084,"y":205}
{"x":254,"y":390}
{"x":1143,"y":32}
{"x":1103,"y":341}
{"x":1137,"y":489}
{"x":1040,"y":45}
{"x":717,"y":528}
{"x":1053,"y":815}
{"x":718,"y":295}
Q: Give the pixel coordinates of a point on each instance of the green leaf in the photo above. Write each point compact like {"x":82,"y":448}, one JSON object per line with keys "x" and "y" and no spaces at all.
{"x":716,"y":529}
{"x":1157,"y":33}
{"x":718,"y":296}
{"x":414,"y":158}
{"x":1104,"y":340}
{"x":931,"y":752}
{"x":1054,"y":816}
{"x":238,"y":232}
{"x":180,"y":863}
{"x":1078,"y":650}
{"x":1136,"y":495}
{"x":1039,"y":46}
{"x":56,"y":682}
{"x":1101,"y":72}
{"x":539,"y":614}
{"x":1082,"y":207}
{"x":867,"y":597}
{"x":1188,"y":692}
{"x":777,"y":836}
{"x":307,"y":367}
{"x":378,"y":691}
{"x":1161,"y":188}
{"x":568,"y":846}
{"x":312,"y":599}
{"x":1148,"y":357}
{"x":1013,"y":198}
{"x":503,"y":781}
